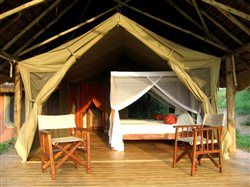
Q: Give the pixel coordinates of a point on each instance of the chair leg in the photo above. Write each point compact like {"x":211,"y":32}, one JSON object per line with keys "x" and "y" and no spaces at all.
{"x":52,"y":168}
{"x":88,"y":154}
{"x":193,"y":163}
{"x":199,"y":159}
{"x":175,"y":152}
{"x":42,"y":161}
{"x":52,"y":161}
{"x":220,"y":162}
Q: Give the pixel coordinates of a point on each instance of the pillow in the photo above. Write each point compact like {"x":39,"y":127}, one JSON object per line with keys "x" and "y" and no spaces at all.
{"x":170,"y":119}
{"x":185,"y":119}
{"x":158,"y":116}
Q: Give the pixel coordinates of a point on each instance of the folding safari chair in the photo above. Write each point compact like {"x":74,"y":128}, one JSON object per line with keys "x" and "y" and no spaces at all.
{"x":55,"y":151}
{"x":199,"y":140}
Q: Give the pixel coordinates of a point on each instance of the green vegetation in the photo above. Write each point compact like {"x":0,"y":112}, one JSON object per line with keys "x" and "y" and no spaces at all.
{"x":242,"y":101}
{"x":5,"y":146}
{"x":243,"y":141}
{"x":247,"y":122}
{"x":242,"y":107}
{"x":222,"y":102}
{"x":139,"y":109}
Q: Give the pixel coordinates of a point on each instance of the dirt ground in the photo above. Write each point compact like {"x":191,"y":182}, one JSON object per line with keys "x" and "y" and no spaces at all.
{"x":243,"y":129}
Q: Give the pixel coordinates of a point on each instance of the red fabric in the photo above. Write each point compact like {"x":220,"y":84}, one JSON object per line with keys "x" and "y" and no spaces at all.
{"x":170,"y":119}
{"x":158,"y":116}
{"x":86,"y":94}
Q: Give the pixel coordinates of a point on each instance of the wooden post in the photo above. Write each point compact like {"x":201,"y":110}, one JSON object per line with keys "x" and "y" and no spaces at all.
{"x":18,"y":100}
{"x":20,"y":8}
{"x":228,"y":9}
{"x":230,"y":102}
{"x":172,"y":25}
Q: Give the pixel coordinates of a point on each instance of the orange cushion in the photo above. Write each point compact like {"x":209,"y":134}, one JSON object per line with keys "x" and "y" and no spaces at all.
{"x":158,"y":116}
{"x":170,"y":119}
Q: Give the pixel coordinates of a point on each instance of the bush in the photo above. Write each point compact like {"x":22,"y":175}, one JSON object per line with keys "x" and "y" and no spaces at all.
{"x":222,"y":102}
{"x":242,"y":104}
{"x":138,"y":109}
{"x":5,"y":146}
{"x":243,"y":141}
{"x":247,"y":122}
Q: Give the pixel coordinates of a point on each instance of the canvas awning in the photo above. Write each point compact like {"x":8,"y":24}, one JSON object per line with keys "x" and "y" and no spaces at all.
{"x":42,"y":74}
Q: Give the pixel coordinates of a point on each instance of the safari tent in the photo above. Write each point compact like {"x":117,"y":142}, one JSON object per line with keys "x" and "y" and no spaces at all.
{"x":97,"y":49}
{"x":98,"y":37}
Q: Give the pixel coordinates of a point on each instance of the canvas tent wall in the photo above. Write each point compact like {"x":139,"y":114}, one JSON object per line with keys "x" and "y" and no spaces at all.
{"x":43,"y":73}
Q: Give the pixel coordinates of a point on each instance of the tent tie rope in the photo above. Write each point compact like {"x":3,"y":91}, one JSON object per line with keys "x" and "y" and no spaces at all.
{"x":72,"y":53}
{"x":170,"y":53}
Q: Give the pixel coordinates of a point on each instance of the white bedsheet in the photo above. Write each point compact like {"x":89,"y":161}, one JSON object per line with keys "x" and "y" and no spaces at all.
{"x":150,"y":126}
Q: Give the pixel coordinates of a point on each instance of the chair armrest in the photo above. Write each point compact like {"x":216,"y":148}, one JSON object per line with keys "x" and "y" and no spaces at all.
{"x":44,"y":132}
{"x":208,"y":128}
{"x":187,"y":126}
{"x":185,"y":130}
{"x":45,"y":141}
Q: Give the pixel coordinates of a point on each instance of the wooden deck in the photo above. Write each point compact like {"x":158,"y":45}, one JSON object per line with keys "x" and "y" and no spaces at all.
{"x":144,"y":163}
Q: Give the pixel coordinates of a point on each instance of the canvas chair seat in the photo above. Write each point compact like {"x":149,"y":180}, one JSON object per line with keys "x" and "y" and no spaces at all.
{"x":65,"y":140}
{"x":190,"y":140}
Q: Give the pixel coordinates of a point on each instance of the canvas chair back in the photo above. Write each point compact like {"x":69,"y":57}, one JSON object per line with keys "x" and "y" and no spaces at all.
{"x":214,"y":120}
{"x":56,"y":122}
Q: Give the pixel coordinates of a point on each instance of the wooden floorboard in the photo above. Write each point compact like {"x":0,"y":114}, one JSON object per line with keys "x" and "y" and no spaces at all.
{"x":144,"y":163}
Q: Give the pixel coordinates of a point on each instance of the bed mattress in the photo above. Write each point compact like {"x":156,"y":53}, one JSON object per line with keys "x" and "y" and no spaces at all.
{"x":151,"y":126}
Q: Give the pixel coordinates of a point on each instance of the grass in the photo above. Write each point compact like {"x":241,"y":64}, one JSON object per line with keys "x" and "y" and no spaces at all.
{"x":243,"y":141}
{"x":5,"y":146}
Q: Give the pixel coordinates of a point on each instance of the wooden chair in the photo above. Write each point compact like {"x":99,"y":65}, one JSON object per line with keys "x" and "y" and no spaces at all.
{"x":64,"y":148}
{"x":199,"y":140}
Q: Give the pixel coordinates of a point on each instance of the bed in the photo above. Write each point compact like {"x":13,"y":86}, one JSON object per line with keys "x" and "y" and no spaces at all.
{"x":146,"y":129}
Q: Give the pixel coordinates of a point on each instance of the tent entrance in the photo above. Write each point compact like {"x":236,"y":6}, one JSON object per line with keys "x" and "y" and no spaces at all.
{"x":95,"y":51}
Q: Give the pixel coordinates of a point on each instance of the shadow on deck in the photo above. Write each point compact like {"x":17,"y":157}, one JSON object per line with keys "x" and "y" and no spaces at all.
{"x":144,"y":163}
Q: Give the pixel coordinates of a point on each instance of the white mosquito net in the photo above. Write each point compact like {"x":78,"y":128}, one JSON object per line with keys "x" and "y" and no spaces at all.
{"x":127,"y":87}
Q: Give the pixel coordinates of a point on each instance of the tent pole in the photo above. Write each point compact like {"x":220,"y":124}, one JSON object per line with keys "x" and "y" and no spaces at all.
{"x":228,"y":9}
{"x":230,"y":94}
{"x":69,"y":30}
{"x":242,"y":49}
{"x":242,"y":26}
{"x":173,"y":26}
{"x":18,"y":100}
{"x":20,"y":8}
{"x":44,"y":29}
{"x":219,"y":25}
{"x":174,"y":5}
{"x":30,"y":25}
{"x":149,"y":106}
{"x":202,"y":19}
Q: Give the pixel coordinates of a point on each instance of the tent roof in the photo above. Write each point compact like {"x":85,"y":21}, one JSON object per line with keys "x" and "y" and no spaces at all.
{"x":119,"y":36}
{"x":27,"y":27}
